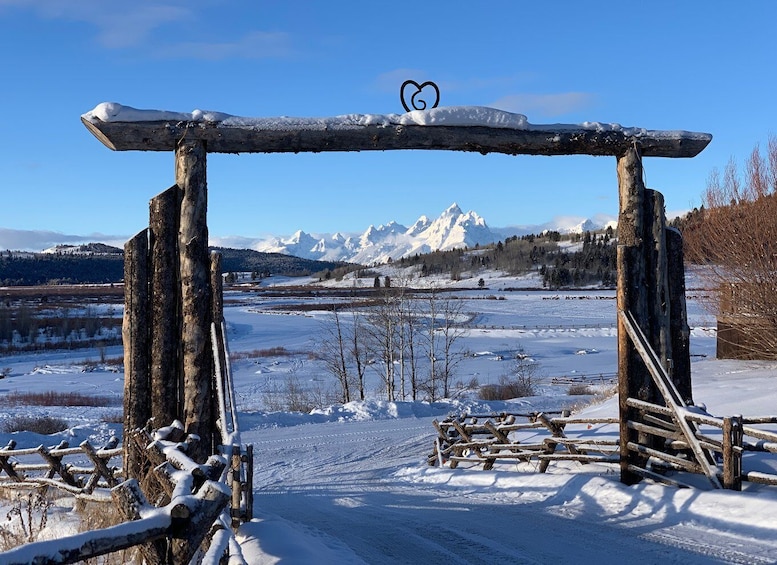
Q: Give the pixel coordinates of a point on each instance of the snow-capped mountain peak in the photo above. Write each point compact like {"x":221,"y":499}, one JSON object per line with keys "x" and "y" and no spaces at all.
{"x":450,"y":230}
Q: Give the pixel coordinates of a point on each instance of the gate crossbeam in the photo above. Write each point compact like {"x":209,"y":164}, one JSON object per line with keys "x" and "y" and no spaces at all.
{"x":127,"y":129}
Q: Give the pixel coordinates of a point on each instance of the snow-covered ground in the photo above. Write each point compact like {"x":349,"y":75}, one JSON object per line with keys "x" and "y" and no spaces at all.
{"x":350,"y":484}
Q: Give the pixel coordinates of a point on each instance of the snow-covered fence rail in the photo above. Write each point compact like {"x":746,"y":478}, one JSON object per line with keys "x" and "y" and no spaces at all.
{"x":488,"y":439}
{"x":78,"y":470}
{"x":191,"y":515}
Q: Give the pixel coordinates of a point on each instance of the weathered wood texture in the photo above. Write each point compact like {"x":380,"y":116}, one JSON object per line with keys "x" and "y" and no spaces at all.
{"x":658,"y":328}
{"x":21,"y":466}
{"x":466,"y":439}
{"x":540,"y":140}
{"x":190,"y":172}
{"x":732,"y":452}
{"x":135,"y":334}
{"x":651,"y":289}
{"x":633,"y":377}
{"x":164,"y":216}
{"x":680,"y":331}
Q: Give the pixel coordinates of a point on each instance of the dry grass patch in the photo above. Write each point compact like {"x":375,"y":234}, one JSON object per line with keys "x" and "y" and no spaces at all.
{"x":580,"y":390}
{"x":278,"y":351}
{"x":54,"y":398}
{"x":45,"y":425}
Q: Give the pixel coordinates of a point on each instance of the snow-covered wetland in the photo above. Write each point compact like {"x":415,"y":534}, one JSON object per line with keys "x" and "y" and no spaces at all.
{"x":349,"y":483}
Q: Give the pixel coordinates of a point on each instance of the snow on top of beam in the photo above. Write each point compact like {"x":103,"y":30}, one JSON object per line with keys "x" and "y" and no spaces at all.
{"x":441,"y":116}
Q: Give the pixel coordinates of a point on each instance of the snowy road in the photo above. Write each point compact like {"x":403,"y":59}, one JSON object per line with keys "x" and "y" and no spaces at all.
{"x":363,"y":493}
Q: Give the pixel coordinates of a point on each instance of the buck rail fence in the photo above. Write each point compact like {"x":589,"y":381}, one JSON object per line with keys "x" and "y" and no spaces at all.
{"x":191,"y":513}
{"x":671,"y":437}
{"x":198,"y":501}
{"x":77,"y":470}
{"x":522,"y":438}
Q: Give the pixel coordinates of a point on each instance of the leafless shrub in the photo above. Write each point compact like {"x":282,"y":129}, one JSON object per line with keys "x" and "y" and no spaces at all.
{"x":44,"y":425}
{"x":100,"y":515}
{"x":520,"y":383}
{"x":508,"y":388}
{"x":292,"y":395}
{"x":580,"y":390}
{"x":113,"y":418}
{"x":54,"y":398}
{"x":114,"y":361}
{"x":278,"y":351}
{"x":28,"y":515}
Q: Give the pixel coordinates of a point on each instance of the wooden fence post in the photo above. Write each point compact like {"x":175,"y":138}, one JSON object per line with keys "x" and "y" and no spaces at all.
{"x":135,"y":335}
{"x":633,"y":377}
{"x":164,"y":217}
{"x":190,"y":173}
{"x":732,"y":454}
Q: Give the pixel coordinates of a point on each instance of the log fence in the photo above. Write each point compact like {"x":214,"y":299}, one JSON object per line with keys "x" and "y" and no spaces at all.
{"x":77,"y":470}
{"x":189,"y":517}
{"x":669,"y":437}
{"x":521,"y":438}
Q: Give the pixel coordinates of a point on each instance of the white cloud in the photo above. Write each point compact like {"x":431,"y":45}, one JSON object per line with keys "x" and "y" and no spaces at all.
{"x":544,"y":105}
{"x":118,"y":24}
{"x":254,"y":45}
{"x":122,"y":25}
{"x":38,"y":240}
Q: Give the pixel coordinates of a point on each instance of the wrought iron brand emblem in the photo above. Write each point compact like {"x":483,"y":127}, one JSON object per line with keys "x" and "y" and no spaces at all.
{"x":419,"y":102}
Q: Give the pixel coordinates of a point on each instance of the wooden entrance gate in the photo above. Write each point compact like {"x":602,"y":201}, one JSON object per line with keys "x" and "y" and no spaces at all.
{"x":650,"y":275}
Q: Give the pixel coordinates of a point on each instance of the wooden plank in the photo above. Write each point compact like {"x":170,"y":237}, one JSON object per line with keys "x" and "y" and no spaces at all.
{"x":653,"y":430}
{"x":685,"y":464}
{"x":648,"y":407}
{"x":580,"y":457}
{"x":539,"y":140}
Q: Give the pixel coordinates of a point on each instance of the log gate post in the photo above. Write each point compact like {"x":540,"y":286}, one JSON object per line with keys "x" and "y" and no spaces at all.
{"x":190,"y":176}
{"x":651,"y":286}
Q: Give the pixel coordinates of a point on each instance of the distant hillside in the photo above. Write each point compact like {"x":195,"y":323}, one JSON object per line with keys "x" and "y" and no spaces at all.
{"x":52,"y":268}
{"x":84,"y":249}
{"x":248,"y":260}
{"x":97,"y":263}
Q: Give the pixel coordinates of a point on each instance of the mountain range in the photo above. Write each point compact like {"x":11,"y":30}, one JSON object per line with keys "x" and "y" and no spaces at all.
{"x":452,"y":229}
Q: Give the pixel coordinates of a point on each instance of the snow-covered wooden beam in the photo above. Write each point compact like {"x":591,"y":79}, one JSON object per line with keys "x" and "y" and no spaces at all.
{"x":456,"y":128}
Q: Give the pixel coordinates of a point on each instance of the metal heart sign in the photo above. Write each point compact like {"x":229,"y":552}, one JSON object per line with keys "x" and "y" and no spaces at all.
{"x":418,"y":98}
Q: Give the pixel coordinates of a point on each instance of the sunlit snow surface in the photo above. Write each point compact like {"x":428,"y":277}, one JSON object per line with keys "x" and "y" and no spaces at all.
{"x":441,"y":116}
{"x":350,"y":484}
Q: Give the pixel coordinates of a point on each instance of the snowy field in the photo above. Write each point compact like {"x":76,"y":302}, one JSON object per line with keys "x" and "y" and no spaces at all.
{"x":349,"y":483}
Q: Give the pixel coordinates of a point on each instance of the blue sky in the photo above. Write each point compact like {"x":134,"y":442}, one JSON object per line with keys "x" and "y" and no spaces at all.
{"x":694,"y":65}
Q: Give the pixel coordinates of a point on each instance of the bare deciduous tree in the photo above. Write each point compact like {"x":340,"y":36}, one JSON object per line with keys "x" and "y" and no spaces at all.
{"x":734,"y":236}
